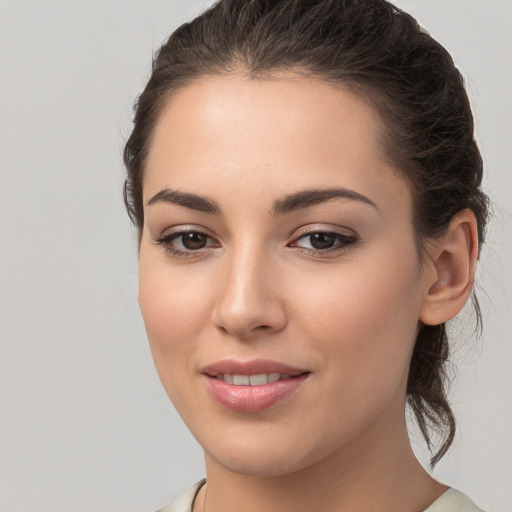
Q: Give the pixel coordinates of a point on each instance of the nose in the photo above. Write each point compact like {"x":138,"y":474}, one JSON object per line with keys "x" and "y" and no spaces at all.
{"x":249,"y":299}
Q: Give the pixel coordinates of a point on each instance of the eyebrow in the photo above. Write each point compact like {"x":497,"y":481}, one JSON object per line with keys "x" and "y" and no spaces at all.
{"x":193,"y":201}
{"x":306,"y":198}
{"x":290,"y":203}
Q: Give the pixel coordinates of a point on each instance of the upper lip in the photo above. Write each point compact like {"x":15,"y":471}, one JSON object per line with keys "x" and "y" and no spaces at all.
{"x":251,"y":367}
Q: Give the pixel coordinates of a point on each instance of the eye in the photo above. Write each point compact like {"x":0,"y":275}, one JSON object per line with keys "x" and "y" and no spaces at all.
{"x":321,"y":241}
{"x":188,"y":242}
{"x":192,"y":240}
{"x":324,"y":242}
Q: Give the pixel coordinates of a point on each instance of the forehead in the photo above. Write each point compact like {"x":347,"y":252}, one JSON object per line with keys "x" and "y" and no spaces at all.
{"x":271,"y":135}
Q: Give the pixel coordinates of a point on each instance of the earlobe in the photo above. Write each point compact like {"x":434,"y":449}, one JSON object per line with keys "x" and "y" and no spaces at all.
{"x":454,"y":258}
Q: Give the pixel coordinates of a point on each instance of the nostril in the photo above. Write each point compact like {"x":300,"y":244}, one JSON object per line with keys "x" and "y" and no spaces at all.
{"x":244,"y":319}
{"x":257,"y":328}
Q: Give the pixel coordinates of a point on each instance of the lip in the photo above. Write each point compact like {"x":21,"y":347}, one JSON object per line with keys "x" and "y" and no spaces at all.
{"x":252,"y":398}
{"x":251,"y":367}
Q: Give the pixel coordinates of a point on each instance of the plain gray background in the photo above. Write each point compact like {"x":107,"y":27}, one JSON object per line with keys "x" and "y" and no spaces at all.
{"x":84,"y":423}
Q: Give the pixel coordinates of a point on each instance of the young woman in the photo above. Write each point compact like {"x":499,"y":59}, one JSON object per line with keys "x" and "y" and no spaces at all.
{"x":306,"y":187}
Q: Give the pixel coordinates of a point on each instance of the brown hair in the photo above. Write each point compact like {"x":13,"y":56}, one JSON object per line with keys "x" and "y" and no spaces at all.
{"x":382,"y":54}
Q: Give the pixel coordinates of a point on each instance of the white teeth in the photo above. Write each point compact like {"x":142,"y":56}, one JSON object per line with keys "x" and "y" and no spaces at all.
{"x":258,"y":380}
{"x":253,"y":380}
{"x":273,"y":377}
{"x":241,"y":380}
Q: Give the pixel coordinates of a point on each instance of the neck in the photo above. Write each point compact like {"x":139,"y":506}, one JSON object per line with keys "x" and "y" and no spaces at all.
{"x":376,"y":472}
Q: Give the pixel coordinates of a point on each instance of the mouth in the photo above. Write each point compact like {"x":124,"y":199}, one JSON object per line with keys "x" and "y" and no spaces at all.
{"x":252,"y":380}
{"x":252,"y":386}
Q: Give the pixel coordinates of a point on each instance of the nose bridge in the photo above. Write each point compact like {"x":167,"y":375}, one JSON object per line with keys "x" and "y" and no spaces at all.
{"x":248,"y":300}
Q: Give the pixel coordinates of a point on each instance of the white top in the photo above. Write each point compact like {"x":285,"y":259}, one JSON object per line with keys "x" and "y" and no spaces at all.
{"x":451,"y":501}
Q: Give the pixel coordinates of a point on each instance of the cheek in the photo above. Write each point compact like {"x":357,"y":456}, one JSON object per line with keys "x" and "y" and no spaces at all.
{"x":360,"y":295}
{"x":367,"y":341}
{"x":364,"y":318}
{"x":175,"y":308}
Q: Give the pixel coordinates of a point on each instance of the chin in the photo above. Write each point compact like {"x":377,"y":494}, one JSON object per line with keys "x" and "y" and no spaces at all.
{"x":261,"y":466}
{"x":264,"y":459}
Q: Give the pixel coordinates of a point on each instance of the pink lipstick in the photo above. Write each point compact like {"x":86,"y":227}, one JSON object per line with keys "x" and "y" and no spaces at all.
{"x":252,"y":386}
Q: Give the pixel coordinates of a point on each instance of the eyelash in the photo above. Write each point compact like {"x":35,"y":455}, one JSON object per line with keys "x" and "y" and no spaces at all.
{"x":166,"y":241}
{"x":342,"y":243}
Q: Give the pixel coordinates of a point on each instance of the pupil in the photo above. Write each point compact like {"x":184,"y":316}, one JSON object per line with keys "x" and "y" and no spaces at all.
{"x":194,"y":240}
{"x":322,"y":240}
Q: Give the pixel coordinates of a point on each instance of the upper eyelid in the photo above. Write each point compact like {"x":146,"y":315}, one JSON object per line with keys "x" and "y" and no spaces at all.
{"x":338,"y":230}
{"x":184,"y":228}
{"x":174,"y":232}
{"x":342,"y":233}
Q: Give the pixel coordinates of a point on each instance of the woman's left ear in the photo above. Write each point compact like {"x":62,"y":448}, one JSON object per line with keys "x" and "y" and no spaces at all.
{"x":452,"y":268}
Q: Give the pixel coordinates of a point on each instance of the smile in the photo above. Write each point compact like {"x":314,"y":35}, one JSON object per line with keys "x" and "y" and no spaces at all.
{"x":252,"y":386}
{"x":253,"y":380}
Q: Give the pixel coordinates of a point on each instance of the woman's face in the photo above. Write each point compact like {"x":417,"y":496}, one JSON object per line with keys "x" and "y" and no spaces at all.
{"x":279,"y":279}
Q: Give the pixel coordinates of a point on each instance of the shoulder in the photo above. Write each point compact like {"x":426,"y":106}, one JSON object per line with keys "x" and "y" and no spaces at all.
{"x":185,"y":501}
{"x":453,"y":501}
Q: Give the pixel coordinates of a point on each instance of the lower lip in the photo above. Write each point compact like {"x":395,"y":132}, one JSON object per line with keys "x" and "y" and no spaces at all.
{"x":252,"y":398}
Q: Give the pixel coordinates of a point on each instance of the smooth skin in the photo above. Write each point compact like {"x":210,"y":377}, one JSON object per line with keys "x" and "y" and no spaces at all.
{"x":336,"y":287}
